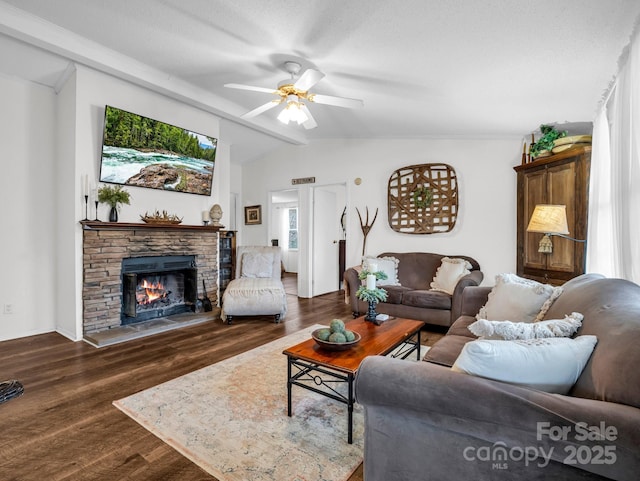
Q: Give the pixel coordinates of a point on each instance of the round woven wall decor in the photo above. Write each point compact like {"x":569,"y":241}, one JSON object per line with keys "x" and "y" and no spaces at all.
{"x":423,"y":199}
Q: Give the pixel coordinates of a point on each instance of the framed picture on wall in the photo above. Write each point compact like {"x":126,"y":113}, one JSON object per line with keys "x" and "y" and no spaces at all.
{"x":253,"y":214}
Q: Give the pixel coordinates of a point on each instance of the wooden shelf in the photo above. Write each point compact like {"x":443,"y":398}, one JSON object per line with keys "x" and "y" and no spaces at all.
{"x":97,"y":225}
{"x":572,"y":152}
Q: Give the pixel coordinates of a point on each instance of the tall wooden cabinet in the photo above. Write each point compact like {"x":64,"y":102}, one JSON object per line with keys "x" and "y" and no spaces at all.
{"x":226,"y":260}
{"x":559,"y":179}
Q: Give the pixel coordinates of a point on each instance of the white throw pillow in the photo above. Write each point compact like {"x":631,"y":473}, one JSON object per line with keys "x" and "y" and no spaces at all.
{"x":517,"y":299}
{"x":388,"y":265}
{"x":449,"y":273}
{"x":257,"y":264}
{"x":552,"y":365}
{"x":510,"y":331}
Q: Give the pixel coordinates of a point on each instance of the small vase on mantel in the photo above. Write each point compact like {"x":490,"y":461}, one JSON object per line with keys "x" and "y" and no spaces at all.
{"x":113,"y":214}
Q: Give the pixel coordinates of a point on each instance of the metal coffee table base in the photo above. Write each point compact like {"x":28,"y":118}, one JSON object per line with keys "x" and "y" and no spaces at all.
{"x":325,"y":381}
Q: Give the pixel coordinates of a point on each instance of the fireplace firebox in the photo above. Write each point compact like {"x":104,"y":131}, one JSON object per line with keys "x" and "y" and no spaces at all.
{"x":157,"y":286}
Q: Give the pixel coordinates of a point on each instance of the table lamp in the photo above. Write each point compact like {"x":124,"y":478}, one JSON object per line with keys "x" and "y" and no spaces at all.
{"x":550,"y":220}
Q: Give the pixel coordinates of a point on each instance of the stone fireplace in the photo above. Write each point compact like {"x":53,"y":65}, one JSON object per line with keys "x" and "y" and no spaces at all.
{"x":137,"y":272}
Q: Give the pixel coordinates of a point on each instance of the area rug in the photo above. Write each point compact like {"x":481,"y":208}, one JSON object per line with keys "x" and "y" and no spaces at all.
{"x":230,"y":419}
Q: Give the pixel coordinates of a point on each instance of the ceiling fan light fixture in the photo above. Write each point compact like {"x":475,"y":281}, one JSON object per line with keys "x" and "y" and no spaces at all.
{"x":291,"y":94}
{"x":292,"y":111}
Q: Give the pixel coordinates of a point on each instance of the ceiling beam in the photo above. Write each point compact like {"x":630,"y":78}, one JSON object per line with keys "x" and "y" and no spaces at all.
{"x":52,"y":38}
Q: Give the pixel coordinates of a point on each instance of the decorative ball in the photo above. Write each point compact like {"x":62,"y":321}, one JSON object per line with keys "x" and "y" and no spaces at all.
{"x":337,"y":326}
{"x":337,"y":337}
{"x":323,"y":334}
{"x":349,"y":335}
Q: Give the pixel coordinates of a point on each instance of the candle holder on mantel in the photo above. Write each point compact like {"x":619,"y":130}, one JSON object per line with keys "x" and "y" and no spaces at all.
{"x":371,"y":294}
{"x":86,"y":207}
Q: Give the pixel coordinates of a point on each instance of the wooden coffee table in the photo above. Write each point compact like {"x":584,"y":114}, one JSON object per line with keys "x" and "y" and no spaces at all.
{"x":319,"y":370}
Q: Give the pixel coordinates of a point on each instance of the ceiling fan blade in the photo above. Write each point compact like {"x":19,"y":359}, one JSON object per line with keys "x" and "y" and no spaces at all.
{"x":336,"y":101}
{"x":263,"y":108}
{"x":310,"y":123}
{"x":250,"y":87}
{"x":308,"y":79}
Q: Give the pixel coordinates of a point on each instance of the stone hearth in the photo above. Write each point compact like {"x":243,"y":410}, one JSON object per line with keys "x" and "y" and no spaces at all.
{"x":106,"y":244}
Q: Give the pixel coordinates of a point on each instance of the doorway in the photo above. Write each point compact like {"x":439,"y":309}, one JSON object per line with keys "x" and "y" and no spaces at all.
{"x":329,"y":203}
{"x":283,"y":227}
{"x":312,"y":251}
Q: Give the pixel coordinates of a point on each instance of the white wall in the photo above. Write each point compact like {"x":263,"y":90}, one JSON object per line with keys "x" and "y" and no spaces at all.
{"x":49,"y":143}
{"x":27,"y":239}
{"x":486,"y":225}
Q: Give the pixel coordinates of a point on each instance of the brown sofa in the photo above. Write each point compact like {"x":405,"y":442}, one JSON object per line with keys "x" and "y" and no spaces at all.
{"x":413,"y":299}
{"x":425,"y":421}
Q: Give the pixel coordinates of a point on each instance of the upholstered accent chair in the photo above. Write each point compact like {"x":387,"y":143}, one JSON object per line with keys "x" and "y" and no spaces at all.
{"x":257,"y":289}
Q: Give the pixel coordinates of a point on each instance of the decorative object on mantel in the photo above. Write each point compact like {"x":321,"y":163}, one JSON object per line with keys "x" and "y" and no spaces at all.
{"x":253,"y":215}
{"x":366,"y":227}
{"x":369,"y":292}
{"x":158,"y":218}
{"x":215,"y":214}
{"x":113,"y":196}
{"x":85,"y":193}
{"x":94,"y":194}
{"x":423,"y":199}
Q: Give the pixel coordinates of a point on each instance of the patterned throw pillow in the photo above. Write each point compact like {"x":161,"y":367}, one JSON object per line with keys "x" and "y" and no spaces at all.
{"x":510,"y":331}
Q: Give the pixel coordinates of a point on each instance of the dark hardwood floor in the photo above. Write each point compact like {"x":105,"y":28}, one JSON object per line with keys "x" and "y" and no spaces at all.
{"x":64,"y":427}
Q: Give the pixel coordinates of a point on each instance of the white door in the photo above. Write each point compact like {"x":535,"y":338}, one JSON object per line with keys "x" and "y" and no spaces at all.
{"x":326,"y":223}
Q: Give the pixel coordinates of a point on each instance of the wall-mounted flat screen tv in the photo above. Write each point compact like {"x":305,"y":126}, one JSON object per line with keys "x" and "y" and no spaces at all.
{"x":142,"y":152}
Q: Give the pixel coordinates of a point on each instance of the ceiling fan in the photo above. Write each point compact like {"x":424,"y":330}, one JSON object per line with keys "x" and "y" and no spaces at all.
{"x":293,"y":92}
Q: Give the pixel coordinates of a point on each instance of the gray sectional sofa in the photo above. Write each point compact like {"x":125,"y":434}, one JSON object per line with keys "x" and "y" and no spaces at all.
{"x":424,"y":421}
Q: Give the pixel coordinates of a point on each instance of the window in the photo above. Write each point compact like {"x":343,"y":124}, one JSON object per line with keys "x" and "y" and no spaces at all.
{"x":293,"y":228}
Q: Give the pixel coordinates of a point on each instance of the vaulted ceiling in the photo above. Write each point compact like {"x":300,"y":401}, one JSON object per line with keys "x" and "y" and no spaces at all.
{"x":424,"y":68}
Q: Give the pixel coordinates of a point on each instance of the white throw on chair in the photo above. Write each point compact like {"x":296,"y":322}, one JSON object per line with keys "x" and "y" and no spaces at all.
{"x":257,"y":289}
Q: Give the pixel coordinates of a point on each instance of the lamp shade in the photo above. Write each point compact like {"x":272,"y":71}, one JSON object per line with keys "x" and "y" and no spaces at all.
{"x":549,"y":219}
{"x":293,"y":111}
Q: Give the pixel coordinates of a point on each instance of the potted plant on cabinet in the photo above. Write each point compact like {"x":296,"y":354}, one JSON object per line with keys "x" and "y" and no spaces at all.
{"x":113,"y":196}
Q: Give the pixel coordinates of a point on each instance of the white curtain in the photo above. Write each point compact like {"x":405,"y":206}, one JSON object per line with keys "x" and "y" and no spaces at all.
{"x":613,"y":246}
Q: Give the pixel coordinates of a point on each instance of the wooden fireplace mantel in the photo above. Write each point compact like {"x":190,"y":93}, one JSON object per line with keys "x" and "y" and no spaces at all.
{"x":98,"y":225}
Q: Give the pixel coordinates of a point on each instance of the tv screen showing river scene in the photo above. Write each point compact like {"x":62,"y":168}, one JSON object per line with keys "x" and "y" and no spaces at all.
{"x":142,"y":152}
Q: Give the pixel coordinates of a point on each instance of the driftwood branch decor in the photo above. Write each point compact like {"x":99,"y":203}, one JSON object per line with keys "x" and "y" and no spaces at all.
{"x":423,"y":199}
{"x":366,"y":227}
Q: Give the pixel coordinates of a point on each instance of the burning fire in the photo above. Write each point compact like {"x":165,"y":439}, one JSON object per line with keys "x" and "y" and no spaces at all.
{"x":148,"y":292}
